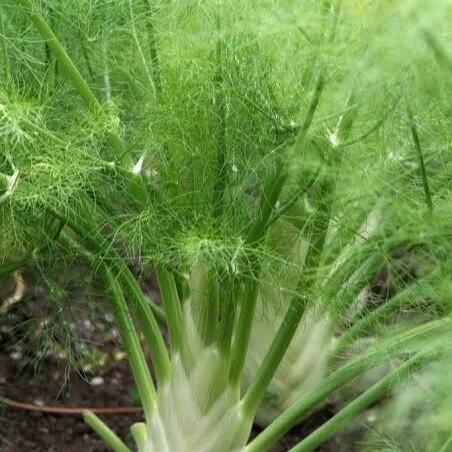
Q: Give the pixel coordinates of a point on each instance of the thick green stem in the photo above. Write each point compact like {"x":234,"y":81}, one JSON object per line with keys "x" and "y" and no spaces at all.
{"x":291,"y":201}
{"x":139,"y":433}
{"x":47,"y":134}
{"x":344,"y":375}
{"x":145,"y":315}
{"x":138,"y":189}
{"x":227,"y":313}
{"x":204,"y":299}
{"x":353,"y":409}
{"x":139,"y":48}
{"x":150,"y":13}
{"x":51,"y":61}
{"x":447,"y":443}
{"x":170,"y":298}
{"x":109,"y":214}
{"x":370,"y":131}
{"x":149,"y":326}
{"x":243,"y":332}
{"x":109,"y":436}
{"x":274,"y":356}
{"x":70,"y":70}
{"x":269,"y":198}
{"x":317,"y":232}
{"x":276,"y":183}
{"x":300,"y":140}
{"x":4,"y":49}
{"x":295,"y":312}
{"x":286,"y":331}
{"x":69,"y":67}
{"x":131,"y":343}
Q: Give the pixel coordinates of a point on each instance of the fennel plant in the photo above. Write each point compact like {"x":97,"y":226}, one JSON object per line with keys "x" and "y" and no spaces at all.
{"x":266,"y":161}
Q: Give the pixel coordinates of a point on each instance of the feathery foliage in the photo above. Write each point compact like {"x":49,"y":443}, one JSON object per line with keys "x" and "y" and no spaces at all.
{"x":267,"y":160}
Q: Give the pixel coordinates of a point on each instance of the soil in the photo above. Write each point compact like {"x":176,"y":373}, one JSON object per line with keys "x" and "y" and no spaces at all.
{"x":23,"y":430}
{"x":52,"y":376}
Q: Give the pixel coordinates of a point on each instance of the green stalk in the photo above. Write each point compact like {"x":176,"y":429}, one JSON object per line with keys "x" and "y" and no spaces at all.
{"x":272,"y":191}
{"x":417,"y":144}
{"x":269,"y":198}
{"x":51,"y":61}
{"x":275,"y":185}
{"x":291,"y":201}
{"x":243,"y":332}
{"x":96,"y":243}
{"x":131,"y":343}
{"x":149,"y":326}
{"x":140,"y":50}
{"x":149,"y":12}
{"x":69,"y":68}
{"x":109,"y":213}
{"x":317,"y":231}
{"x":94,"y":106}
{"x":5,"y":56}
{"x":358,"y":405}
{"x":106,"y":433}
{"x":145,"y":315}
{"x":371,"y":130}
{"x":341,"y":377}
{"x":139,"y":433}
{"x":256,"y":391}
{"x":40,"y":130}
{"x":445,"y":446}
{"x":204,"y":293}
{"x":286,"y":331}
{"x":170,"y":298}
{"x":307,"y":121}
{"x":227,"y":313}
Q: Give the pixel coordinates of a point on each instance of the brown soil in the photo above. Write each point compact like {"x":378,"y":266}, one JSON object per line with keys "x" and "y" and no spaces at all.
{"x":22,"y":430}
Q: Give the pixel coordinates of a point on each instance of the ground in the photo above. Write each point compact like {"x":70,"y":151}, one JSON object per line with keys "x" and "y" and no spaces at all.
{"x":99,"y":377}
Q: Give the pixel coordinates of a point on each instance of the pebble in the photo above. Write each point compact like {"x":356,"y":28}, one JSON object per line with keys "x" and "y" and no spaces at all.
{"x":16,"y":355}
{"x":96,"y":381}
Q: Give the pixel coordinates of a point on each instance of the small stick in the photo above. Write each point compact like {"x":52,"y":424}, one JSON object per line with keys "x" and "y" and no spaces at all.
{"x":66,"y":410}
{"x":18,"y":294}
